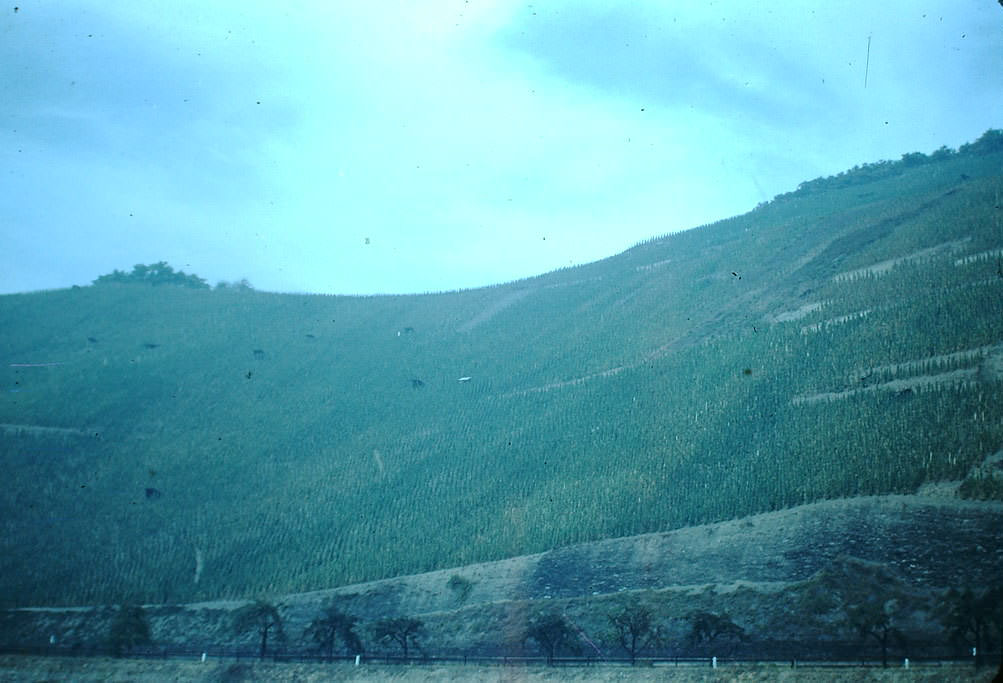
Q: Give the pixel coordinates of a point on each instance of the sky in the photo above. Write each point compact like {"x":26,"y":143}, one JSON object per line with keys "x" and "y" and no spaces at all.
{"x":386,"y":146}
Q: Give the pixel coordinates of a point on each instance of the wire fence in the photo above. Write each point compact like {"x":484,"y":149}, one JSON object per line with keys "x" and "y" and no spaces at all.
{"x":223,"y":652}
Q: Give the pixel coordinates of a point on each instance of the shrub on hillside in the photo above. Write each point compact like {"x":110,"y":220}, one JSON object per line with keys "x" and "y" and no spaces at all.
{"x":129,"y":629}
{"x":982,"y":488}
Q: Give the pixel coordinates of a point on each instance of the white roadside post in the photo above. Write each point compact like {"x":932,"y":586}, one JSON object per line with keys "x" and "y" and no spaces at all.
{"x":713,"y":662}
{"x":357,"y":658}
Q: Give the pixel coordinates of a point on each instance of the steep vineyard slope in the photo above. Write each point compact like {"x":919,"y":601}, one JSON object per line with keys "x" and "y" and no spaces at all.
{"x":174,"y":445}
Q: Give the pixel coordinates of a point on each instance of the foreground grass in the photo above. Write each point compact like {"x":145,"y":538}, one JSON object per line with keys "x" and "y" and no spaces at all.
{"x":21,"y":668}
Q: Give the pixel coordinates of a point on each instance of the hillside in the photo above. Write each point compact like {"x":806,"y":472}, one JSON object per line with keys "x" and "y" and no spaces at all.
{"x":171,"y":445}
{"x":757,"y":569}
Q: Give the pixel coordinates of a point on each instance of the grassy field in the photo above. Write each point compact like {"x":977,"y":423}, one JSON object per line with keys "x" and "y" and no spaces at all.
{"x":16,"y":668}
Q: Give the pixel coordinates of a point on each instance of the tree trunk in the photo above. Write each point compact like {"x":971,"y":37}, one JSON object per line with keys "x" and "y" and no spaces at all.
{"x":881,"y":637}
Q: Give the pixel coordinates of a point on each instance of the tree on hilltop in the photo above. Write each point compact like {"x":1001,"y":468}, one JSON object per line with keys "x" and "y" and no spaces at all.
{"x":159,"y":273}
{"x":989,"y":142}
{"x":243,"y":285}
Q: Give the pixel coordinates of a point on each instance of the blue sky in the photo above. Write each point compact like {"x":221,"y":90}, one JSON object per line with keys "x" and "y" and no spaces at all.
{"x":396,"y":147}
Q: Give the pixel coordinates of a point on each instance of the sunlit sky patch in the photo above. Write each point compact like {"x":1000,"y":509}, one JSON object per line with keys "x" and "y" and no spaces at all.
{"x":393,"y":147}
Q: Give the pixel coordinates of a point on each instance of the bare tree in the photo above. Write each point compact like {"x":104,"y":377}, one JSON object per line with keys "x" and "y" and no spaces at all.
{"x":553,"y":634}
{"x":331,"y":626}
{"x":404,"y":631}
{"x":972,"y":617}
{"x":634,"y":629}
{"x":866,"y":598}
{"x":708,"y":627}
{"x":877,"y":619}
{"x":261,"y":617}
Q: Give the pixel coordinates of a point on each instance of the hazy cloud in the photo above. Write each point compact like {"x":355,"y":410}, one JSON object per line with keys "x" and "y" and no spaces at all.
{"x":469,"y":142}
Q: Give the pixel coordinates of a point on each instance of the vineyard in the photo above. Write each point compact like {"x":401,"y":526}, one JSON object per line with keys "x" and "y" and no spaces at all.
{"x":171,"y":444}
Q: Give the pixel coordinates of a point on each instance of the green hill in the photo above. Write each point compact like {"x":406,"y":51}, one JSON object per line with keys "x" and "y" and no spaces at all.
{"x":168,"y":444}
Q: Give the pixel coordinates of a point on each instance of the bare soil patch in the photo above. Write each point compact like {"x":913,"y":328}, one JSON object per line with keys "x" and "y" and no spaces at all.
{"x":16,"y":430}
{"x":885,"y":266}
{"x":895,"y":386}
{"x":494,"y":309}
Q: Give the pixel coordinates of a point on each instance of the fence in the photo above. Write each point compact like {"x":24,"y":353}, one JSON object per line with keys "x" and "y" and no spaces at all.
{"x":221,"y":652}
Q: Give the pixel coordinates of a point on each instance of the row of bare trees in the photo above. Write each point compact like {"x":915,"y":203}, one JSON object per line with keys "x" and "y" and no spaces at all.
{"x":331,"y":628}
{"x":971,"y":618}
{"x":633,"y":628}
{"x":874,"y":602}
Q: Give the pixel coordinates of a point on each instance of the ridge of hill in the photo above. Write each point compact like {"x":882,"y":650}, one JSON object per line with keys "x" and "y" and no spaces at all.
{"x":170,"y":445}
